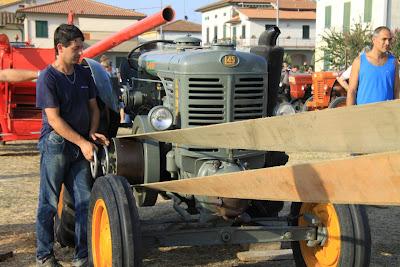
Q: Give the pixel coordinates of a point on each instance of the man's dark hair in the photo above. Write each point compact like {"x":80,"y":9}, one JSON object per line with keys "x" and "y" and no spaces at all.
{"x":379,"y":29}
{"x":65,"y":33}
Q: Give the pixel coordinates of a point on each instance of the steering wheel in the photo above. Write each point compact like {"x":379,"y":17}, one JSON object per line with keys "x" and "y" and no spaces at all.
{"x":134,"y":55}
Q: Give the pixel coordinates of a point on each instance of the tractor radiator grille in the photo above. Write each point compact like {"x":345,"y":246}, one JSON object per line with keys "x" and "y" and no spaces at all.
{"x":217,"y":100}
{"x":319,"y":92}
{"x":207,"y":100}
{"x":249,"y":98}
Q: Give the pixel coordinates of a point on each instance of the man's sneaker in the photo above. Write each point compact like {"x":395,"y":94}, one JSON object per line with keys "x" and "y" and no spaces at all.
{"x":48,"y":262}
{"x":80,"y":262}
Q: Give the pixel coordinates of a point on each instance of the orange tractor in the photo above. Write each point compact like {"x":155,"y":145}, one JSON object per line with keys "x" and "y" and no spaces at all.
{"x":325,"y":91}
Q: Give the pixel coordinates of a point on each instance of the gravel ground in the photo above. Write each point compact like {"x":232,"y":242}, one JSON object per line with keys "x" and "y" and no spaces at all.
{"x":19,"y":182}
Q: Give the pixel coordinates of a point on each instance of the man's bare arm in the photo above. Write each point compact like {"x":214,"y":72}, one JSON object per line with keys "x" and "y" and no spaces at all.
{"x":15,"y":75}
{"x":343,"y":83}
{"x":397,"y":82}
{"x":353,"y":84}
{"x":62,"y":128}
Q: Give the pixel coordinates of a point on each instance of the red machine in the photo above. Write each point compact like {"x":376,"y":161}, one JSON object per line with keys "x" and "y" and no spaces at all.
{"x":327,"y":93}
{"x":299,"y":83}
{"x":300,"y":89}
{"x":19,"y":117}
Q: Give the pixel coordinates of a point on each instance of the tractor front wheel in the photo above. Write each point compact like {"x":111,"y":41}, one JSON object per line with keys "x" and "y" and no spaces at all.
{"x":338,"y":102}
{"x":113,"y":224}
{"x":347,"y":241}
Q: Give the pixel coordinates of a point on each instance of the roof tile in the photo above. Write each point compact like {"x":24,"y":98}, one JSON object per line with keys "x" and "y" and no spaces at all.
{"x":181,"y":26}
{"x":81,"y":8}
{"x":258,"y":13}
{"x":283,"y":4}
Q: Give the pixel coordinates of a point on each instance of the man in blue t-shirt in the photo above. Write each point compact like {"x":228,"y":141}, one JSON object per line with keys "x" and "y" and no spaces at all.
{"x":374,"y":74}
{"x":67,"y":95}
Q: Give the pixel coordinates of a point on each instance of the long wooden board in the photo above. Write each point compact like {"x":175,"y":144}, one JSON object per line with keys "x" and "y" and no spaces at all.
{"x":369,"y":179}
{"x":364,"y":129}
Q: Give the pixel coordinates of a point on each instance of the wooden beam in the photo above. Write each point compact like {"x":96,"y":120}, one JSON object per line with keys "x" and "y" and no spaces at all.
{"x":369,"y":179}
{"x":363,"y":129}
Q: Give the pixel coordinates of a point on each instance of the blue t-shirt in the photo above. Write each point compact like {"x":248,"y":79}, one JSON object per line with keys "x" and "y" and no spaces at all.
{"x":375,"y":83}
{"x":69,"y":93}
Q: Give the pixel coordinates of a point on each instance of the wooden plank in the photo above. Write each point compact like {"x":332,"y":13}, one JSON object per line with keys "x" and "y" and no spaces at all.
{"x":369,"y":179}
{"x":363,"y":129}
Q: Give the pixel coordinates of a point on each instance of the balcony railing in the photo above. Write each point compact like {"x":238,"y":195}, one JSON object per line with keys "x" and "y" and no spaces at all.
{"x":284,"y":42}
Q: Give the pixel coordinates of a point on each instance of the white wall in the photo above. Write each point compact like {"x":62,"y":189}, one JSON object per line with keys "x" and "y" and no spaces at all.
{"x":219,"y":21}
{"x":292,"y":28}
{"x":11,"y":32}
{"x":13,"y":8}
{"x":394,"y":15}
{"x":289,"y":28}
{"x":102,"y":24}
{"x":107,"y":27}
{"x":30,"y":28}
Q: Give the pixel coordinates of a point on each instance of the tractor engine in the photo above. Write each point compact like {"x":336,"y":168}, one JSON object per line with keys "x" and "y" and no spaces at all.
{"x":178,"y":84}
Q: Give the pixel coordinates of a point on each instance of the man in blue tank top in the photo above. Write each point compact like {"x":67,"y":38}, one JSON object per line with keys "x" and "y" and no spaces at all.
{"x":374,"y":75}
{"x":67,"y":95}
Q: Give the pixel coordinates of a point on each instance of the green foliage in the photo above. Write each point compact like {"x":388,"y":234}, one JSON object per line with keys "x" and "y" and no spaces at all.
{"x":396,"y":43}
{"x":340,"y":49}
{"x":287,"y":58}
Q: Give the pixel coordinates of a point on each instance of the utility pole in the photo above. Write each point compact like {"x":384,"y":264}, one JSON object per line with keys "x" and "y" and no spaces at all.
{"x":277,"y":13}
{"x":277,"y":19}
{"x":161,"y":31}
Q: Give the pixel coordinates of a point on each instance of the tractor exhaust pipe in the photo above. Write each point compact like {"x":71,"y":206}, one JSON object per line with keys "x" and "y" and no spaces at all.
{"x":269,"y":36}
{"x":160,"y":18}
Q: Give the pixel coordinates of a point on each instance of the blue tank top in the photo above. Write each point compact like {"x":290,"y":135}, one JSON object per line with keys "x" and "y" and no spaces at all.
{"x":375,"y":83}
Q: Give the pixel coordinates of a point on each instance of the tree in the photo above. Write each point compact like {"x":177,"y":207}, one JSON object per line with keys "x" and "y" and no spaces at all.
{"x":340,"y":49}
{"x":396,"y":43}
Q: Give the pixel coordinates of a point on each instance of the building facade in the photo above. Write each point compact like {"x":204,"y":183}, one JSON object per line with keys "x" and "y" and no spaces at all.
{"x":341,"y":15}
{"x":96,"y":20}
{"x":242,"y":22}
{"x":10,"y":23}
{"x":173,"y":30}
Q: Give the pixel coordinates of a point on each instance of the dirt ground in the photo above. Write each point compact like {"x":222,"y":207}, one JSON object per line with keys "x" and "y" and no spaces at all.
{"x":19,"y":182}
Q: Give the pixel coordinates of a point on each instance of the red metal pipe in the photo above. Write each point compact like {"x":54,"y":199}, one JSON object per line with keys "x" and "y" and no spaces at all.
{"x":141,"y":26}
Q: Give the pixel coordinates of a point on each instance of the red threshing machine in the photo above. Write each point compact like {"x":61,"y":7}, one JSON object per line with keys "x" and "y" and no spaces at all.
{"x":19,"y":117}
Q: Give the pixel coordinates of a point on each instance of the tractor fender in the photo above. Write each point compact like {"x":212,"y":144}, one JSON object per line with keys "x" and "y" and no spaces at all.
{"x":103,"y":84}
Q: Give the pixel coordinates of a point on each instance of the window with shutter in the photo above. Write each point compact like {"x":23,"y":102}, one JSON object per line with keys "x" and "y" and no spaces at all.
{"x":42,"y":29}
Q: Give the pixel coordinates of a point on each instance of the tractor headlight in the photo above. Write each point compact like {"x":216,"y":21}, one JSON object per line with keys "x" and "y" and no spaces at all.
{"x":160,"y":118}
{"x":283,"y":108}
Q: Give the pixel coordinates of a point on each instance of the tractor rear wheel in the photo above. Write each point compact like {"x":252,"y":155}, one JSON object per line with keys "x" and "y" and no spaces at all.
{"x":338,"y":102}
{"x":113,"y":224}
{"x":64,"y":221}
{"x":347,"y":242}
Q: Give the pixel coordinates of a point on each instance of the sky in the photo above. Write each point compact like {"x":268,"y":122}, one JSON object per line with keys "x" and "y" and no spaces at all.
{"x":149,"y":7}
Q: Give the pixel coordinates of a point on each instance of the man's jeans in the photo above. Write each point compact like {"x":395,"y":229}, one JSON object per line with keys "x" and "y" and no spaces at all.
{"x":61,"y":162}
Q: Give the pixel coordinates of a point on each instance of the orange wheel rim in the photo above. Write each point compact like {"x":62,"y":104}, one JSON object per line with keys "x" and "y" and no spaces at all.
{"x":60,"y":202}
{"x":101,"y":236}
{"x":328,"y":254}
